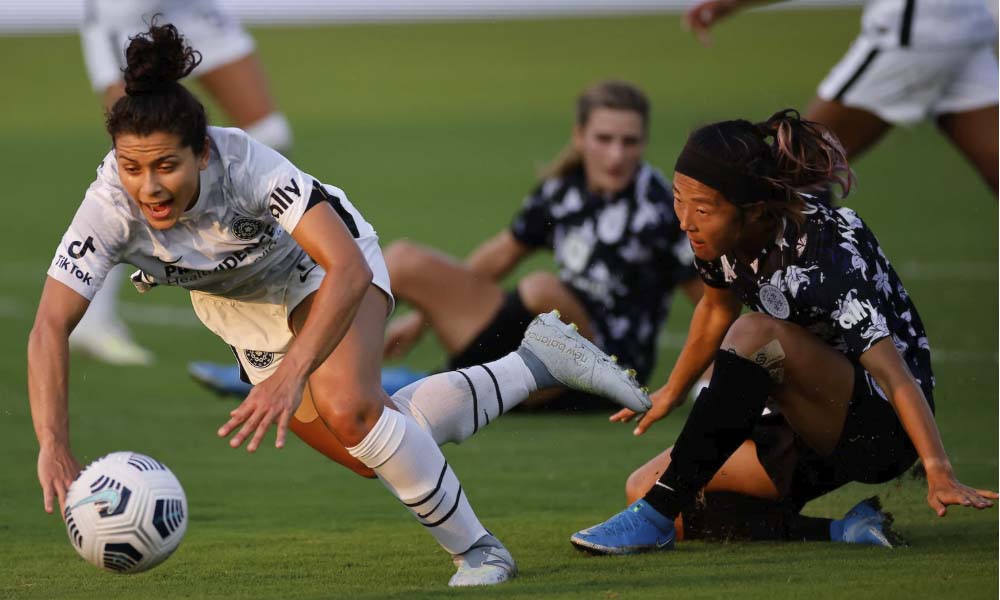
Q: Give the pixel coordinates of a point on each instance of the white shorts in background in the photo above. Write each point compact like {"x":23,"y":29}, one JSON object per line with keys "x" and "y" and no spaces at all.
{"x":906,"y":85}
{"x":258,"y":329}
{"x":108,"y":25}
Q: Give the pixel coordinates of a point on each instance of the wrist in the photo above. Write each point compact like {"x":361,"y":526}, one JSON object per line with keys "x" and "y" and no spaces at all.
{"x":52,"y":442}
{"x":296,"y":367}
{"x":938,"y":469}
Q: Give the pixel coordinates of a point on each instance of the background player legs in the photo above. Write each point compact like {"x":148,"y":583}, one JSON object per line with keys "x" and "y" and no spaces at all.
{"x":856,"y":128}
{"x":102,"y":334}
{"x":974,"y":133}
{"x":459,"y":304}
{"x":240,"y":87}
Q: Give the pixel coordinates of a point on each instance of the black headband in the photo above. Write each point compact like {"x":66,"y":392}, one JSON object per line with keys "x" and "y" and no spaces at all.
{"x":738,"y":188}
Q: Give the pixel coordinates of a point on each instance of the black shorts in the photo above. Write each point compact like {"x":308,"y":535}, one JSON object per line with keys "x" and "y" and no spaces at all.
{"x":501,"y":337}
{"x":873,"y":448}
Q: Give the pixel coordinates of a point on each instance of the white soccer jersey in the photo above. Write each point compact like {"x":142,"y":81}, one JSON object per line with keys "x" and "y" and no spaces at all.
{"x":928,"y":23}
{"x":233,"y":241}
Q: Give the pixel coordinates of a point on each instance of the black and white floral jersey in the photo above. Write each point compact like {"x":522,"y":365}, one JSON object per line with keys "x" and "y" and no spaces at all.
{"x":621,"y":256}
{"x":231,"y":242}
{"x":830,"y":276}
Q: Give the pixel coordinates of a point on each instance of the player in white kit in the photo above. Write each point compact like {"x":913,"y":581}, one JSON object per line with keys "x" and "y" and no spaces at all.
{"x":229,"y":71}
{"x":287,"y":271}
{"x":913,"y":60}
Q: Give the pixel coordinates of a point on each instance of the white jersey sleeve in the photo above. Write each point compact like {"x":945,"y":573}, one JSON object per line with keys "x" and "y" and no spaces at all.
{"x":273,"y":187}
{"x":94,"y":242}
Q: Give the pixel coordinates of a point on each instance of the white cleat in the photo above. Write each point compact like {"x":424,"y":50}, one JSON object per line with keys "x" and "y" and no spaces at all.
{"x":483,"y":565}
{"x":577,"y":363}
{"x":112,"y":348}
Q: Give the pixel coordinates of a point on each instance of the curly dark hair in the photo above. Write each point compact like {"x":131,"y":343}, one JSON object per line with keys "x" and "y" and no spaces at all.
{"x":154,"y":99}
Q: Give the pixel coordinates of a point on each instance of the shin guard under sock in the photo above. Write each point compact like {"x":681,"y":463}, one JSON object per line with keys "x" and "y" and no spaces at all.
{"x":721,"y":420}
{"x":411,"y":466}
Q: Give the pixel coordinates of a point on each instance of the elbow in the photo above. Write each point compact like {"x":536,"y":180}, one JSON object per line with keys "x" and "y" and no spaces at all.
{"x":361,"y":277}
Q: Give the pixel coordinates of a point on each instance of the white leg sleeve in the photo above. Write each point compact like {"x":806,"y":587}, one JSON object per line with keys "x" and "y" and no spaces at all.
{"x":411,"y":465}
{"x":454,"y":405}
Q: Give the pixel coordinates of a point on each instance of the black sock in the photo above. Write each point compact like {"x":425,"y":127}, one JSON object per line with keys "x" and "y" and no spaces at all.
{"x":807,"y":529}
{"x":729,"y":516}
{"x":722,"y":419}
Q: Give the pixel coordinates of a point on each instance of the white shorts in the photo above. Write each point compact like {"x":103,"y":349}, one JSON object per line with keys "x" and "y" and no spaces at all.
{"x":108,"y":24}
{"x":258,"y":330}
{"x":907,"y":85}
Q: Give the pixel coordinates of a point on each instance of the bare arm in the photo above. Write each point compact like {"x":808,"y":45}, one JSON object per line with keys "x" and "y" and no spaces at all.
{"x":884,"y":362}
{"x":714,"y":314}
{"x":324,"y":237}
{"x":59,"y":310}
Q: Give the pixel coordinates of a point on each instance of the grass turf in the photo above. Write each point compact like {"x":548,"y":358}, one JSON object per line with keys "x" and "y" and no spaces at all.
{"x":435,"y":131}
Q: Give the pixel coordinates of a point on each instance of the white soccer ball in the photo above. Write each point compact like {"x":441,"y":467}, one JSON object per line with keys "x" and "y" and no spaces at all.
{"x":125,"y":513}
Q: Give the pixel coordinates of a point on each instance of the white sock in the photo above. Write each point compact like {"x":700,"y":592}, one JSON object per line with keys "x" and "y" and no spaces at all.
{"x":102,"y":314}
{"x":454,"y":405}
{"x":411,"y":465}
{"x":274,"y":131}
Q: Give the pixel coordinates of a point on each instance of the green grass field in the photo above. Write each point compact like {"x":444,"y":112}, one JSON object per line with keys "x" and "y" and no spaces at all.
{"x":435,"y":132}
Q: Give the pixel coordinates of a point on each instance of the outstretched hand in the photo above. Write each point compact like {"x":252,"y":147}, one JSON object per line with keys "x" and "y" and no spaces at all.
{"x":57,"y":468}
{"x":661,"y":408}
{"x":273,"y":400}
{"x":945,"y":491}
{"x":702,"y":16}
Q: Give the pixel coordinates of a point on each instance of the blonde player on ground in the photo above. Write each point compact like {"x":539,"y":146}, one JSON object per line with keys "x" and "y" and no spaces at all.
{"x":229,"y":71}
{"x":287,"y":271}
{"x":913,"y":60}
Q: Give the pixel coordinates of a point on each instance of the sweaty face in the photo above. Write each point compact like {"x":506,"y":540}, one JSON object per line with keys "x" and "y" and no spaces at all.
{"x":712,"y":223}
{"x":611,"y":143}
{"x":159,"y":174}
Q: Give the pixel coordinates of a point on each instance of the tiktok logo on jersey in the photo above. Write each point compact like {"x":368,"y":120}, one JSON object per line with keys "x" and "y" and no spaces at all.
{"x":281,"y":200}
{"x":78,"y":249}
{"x":70,"y":267}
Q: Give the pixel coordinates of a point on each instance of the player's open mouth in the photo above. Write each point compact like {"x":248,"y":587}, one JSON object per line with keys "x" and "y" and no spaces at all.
{"x":158,"y":210}
{"x":696,"y":243}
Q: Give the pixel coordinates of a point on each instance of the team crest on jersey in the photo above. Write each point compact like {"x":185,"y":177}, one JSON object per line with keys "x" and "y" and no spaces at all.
{"x":246,"y":229}
{"x":258,"y":358}
{"x":773,"y":301}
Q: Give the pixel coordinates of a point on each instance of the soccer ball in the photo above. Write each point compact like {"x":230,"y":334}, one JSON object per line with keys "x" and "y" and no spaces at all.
{"x":125,"y":513}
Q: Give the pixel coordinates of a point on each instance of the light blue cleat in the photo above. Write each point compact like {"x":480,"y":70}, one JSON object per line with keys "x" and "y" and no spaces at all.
{"x":223,"y":379}
{"x":397,"y":378}
{"x":638,"y":528}
{"x":866,"y":524}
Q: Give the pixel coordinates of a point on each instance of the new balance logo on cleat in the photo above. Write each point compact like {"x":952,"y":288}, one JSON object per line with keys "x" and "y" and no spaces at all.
{"x":580,"y":365}
{"x":561,"y":346}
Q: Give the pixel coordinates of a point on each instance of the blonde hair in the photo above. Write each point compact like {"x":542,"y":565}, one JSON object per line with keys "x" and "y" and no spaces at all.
{"x":613,"y":94}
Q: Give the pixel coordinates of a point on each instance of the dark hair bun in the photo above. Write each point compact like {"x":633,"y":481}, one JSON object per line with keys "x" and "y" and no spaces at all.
{"x":157,"y":59}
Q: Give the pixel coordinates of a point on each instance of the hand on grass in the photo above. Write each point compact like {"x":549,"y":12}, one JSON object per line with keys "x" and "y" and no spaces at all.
{"x":944,"y":491}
